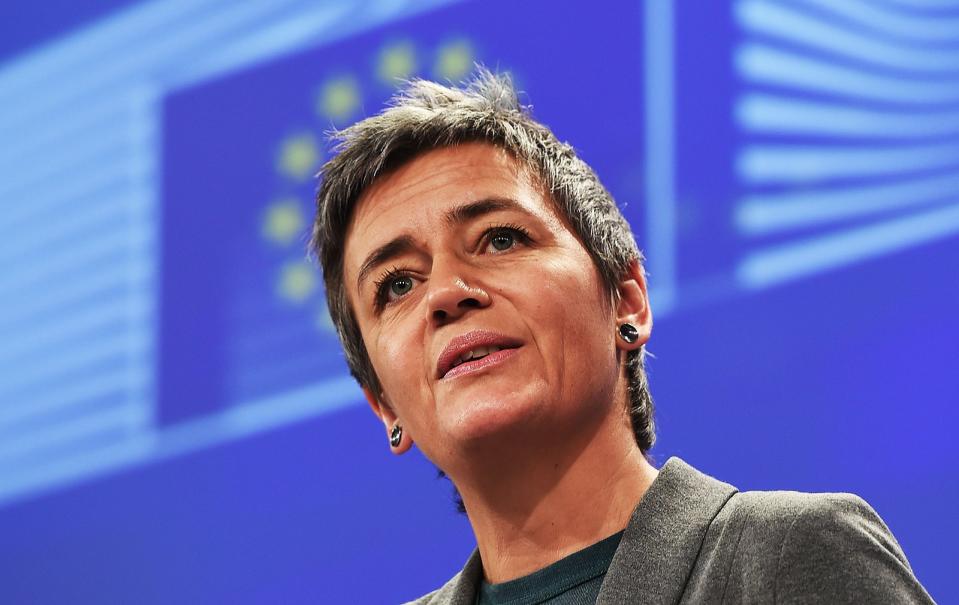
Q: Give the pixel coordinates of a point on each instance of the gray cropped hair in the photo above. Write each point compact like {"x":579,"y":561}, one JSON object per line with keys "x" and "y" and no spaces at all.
{"x":424,"y":116}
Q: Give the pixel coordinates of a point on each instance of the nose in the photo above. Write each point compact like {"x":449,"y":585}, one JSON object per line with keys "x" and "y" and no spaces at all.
{"x":451,"y":296}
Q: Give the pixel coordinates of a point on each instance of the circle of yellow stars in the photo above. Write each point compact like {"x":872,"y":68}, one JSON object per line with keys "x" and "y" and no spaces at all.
{"x":338,"y":100}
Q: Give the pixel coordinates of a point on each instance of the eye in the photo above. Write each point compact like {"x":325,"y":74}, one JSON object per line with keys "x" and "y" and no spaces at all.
{"x":400,"y":286}
{"x":391,"y":287}
{"x":503,"y":238}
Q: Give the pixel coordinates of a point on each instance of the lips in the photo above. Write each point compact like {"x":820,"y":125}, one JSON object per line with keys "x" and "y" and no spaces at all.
{"x":470,"y":347}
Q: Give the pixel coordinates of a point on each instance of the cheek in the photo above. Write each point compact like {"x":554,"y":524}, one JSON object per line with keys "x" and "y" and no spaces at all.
{"x":390,"y":358}
{"x":587,"y":324}
{"x":571,"y":314}
{"x":397,"y":354}
{"x":577,"y":296}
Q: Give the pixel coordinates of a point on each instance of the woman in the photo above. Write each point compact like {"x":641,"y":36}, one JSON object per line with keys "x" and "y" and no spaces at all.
{"x":491,"y":302}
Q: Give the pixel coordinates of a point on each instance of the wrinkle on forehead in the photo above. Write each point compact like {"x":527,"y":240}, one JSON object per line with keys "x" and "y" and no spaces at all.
{"x":469,"y":156}
{"x":396,"y":188}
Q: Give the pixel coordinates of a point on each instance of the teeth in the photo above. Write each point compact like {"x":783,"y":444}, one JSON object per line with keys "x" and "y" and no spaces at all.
{"x":475,"y":353}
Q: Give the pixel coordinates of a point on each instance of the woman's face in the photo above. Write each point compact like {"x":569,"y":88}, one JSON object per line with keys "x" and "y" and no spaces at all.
{"x":458,"y":255}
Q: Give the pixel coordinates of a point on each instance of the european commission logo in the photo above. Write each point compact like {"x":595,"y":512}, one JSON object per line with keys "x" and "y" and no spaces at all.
{"x":85,"y":275}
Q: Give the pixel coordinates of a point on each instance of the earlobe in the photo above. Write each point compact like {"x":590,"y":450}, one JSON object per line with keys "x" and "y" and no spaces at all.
{"x":634,"y":319}
{"x":399,"y":441}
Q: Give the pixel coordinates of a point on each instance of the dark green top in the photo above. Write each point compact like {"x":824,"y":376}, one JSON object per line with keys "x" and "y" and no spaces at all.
{"x":573,"y":580}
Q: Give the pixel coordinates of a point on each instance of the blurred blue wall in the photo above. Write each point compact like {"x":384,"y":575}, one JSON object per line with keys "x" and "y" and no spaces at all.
{"x":176,"y":421}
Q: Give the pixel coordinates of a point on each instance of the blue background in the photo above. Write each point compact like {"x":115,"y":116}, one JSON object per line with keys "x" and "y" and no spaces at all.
{"x":176,"y":420}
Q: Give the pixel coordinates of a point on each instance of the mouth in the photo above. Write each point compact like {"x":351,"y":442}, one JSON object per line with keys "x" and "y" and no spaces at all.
{"x":473,"y":351}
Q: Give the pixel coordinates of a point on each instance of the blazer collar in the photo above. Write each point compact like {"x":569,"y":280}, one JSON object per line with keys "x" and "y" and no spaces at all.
{"x":462,"y":588}
{"x":658,"y":549}
{"x":663,"y":537}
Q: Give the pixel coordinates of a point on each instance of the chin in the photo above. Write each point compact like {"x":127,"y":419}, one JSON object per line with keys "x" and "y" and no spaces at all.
{"x":492,"y":415}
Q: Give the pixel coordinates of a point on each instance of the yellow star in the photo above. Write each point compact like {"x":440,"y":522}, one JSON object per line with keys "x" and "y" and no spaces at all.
{"x":397,"y":61}
{"x":283,"y":221}
{"x":454,"y":61}
{"x":299,"y":156}
{"x":297,"y":281}
{"x":339,"y":98}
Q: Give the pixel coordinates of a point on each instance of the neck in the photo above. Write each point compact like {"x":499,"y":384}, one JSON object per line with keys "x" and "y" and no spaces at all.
{"x":543,"y":502}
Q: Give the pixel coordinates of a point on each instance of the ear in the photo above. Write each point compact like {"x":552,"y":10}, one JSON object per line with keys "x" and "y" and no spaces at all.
{"x":389,"y":419}
{"x":632,"y":306}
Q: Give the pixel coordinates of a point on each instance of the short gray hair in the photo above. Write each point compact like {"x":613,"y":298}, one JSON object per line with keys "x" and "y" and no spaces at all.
{"x":424,"y":116}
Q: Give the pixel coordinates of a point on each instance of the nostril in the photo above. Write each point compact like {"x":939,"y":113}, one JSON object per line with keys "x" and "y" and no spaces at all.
{"x":469,"y":302}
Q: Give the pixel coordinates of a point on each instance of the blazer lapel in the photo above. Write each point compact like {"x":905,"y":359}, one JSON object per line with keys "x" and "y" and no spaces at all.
{"x":461,"y":590}
{"x":663,"y":537}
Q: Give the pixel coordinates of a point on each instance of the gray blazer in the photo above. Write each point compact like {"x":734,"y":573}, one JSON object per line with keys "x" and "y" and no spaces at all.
{"x":693,"y":539}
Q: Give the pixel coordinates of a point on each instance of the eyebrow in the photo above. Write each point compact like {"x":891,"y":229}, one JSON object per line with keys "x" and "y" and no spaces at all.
{"x":459,"y":215}
{"x":467,"y":212}
{"x":393,"y":248}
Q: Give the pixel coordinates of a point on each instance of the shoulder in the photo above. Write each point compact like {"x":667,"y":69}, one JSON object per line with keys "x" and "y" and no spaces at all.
{"x":830,"y":548}
{"x":766,"y":523}
{"x":786,"y":514}
{"x":800,"y":524}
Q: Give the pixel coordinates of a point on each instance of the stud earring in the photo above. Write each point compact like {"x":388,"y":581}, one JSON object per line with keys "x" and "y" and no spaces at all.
{"x":628,"y":332}
{"x":396,"y":435}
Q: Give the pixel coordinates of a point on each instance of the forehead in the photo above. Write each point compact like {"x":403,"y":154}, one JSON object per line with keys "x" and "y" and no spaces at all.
{"x":413,"y":198}
{"x":444,"y":176}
